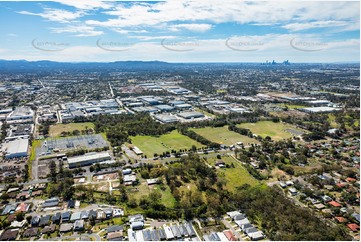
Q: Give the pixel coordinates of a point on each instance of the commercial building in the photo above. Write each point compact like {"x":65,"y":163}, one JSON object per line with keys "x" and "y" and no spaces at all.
{"x":149,"y":100}
{"x":164,"y":108}
{"x":164,"y":118}
{"x":88,"y":159}
{"x":191,"y":115}
{"x":319,"y":109}
{"x":21,"y":115}
{"x":16,"y":148}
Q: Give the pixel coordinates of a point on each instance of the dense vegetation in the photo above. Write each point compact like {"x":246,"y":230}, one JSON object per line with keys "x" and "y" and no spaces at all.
{"x":280,"y":219}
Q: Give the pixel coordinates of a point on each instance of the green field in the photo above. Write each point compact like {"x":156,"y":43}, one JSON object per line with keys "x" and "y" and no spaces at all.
{"x":291,"y":106}
{"x":276,"y":131}
{"x":234,"y":177}
{"x":222,"y":135}
{"x":173,"y":140}
{"x":55,"y":130}
{"x":144,"y":190}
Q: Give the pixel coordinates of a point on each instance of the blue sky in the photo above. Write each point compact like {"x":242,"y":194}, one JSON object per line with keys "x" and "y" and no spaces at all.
{"x":180,"y":30}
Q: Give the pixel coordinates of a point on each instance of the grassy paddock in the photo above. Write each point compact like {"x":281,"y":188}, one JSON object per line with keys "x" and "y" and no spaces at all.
{"x":234,"y":177}
{"x":55,"y":130}
{"x":174,"y":140}
{"x":277,"y":131}
{"x":222,"y":135}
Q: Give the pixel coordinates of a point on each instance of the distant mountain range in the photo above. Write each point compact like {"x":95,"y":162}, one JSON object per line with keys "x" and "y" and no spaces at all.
{"x":45,"y":65}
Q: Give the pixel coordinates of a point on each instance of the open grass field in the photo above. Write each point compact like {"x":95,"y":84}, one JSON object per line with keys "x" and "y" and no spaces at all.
{"x":234,"y":177}
{"x":276,"y":131}
{"x":174,"y":140}
{"x":55,"y":130}
{"x":143,"y":190}
{"x":291,"y":106}
{"x":222,"y":135}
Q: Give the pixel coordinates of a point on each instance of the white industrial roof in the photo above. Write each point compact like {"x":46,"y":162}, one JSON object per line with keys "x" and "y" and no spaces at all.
{"x":16,"y":146}
{"x":89,"y":156}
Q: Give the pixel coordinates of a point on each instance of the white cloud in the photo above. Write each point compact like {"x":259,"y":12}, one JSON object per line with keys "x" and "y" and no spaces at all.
{"x":160,"y":37}
{"x":57,"y":15}
{"x":191,"y":27}
{"x":86,"y":4}
{"x":315,"y":24}
{"x":212,"y":50}
{"x":78,"y":30}
{"x":212,"y":11}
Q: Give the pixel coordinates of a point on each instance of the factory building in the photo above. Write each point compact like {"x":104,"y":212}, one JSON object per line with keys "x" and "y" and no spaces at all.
{"x":21,"y":115}
{"x":88,"y":159}
{"x":319,"y":109}
{"x":16,"y":148}
{"x":164,"y":118}
{"x":190,"y":115}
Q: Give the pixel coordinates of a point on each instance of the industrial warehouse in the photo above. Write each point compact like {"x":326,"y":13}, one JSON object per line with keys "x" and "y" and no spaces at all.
{"x":16,"y":148}
{"x":88,"y":159}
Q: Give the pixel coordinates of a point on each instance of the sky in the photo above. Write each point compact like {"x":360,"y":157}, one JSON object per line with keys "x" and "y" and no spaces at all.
{"x":180,"y":31}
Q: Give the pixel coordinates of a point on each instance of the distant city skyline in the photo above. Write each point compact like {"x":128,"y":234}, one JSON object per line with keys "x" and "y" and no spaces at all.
{"x":180,"y":31}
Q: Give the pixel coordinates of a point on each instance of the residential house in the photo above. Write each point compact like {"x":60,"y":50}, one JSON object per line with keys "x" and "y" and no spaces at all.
{"x":10,"y":234}
{"x":79,"y":225}
{"x":65,"y":227}
{"x":31,"y":232}
{"x":56,"y":218}
{"x":65,"y":216}
{"x":45,"y":220}
{"x":35,"y":221}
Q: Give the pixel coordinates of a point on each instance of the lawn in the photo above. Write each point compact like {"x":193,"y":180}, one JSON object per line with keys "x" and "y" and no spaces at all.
{"x":144,"y":190}
{"x":56,"y":129}
{"x":234,"y":177}
{"x":277,"y":131}
{"x":222,"y":135}
{"x":292,"y":106}
{"x":173,"y":140}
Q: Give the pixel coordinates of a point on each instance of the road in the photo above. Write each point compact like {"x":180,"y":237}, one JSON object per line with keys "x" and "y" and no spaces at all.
{"x":59,"y":117}
{"x":41,"y":83}
{"x":111,"y":90}
{"x":34,"y":169}
{"x":81,"y":237}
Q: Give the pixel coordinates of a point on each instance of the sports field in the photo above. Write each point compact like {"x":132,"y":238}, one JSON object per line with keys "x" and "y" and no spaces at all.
{"x":174,"y":140}
{"x":276,"y":131}
{"x":55,"y":130}
{"x":234,"y":176}
{"x":223,"y":136}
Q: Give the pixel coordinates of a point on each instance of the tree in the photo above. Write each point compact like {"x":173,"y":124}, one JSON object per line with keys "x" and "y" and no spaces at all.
{"x":52,"y":167}
{"x":20,"y":216}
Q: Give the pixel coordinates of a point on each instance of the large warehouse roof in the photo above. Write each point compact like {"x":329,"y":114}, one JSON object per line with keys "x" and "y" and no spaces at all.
{"x":319,"y":109}
{"x":16,"y":148}
{"x":89,"y":156}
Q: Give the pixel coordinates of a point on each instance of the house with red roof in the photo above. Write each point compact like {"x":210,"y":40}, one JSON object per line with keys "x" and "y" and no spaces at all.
{"x":22,"y":207}
{"x":335,"y":204}
{"x":353,"y":227}
{"x":350,"y":179}
{"x":229,"y":235}
{"x":341,"y":219}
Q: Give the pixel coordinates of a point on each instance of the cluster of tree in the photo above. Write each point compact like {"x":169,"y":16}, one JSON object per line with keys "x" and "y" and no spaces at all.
{"x":45,"y":127}
{"x":119,"y":128}
{"x":4,"y":128}
{"x":84,"y":151}
{"x":281,"y":219}
{"x":98,"y":167}
{"x":241,"y":131}
{"x":62,"y":182}
{"x":193,"y":135}
{"x":76,"y":132}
